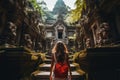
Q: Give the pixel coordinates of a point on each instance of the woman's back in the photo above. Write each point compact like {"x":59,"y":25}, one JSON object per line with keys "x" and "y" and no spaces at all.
{"x":60,"y":64}
{"x":61,"y":67}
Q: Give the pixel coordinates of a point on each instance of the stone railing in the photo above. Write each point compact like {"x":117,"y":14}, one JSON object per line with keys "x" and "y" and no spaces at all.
{"x":100,"y":63}
{"x":18,"y":62}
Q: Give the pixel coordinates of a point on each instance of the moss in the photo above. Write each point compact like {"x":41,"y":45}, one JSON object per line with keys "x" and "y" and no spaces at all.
{"x":34,"y":57}
{"x":75,"y":56}
{"x":82,"y":54}
{"x":80,"y":58}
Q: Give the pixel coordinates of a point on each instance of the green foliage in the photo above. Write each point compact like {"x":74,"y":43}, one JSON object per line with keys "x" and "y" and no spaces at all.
{"x":34,"y":2}
{"x":75,"y":14}
{"x":36,"y":6}
{"x":46,"y":14}
{"x":80,"y":54}
{"x":75,"y":56}
{"x":41,"y":8}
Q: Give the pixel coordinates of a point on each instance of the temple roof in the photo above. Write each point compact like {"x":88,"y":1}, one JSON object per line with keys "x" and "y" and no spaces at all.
{"x":60,"y":8}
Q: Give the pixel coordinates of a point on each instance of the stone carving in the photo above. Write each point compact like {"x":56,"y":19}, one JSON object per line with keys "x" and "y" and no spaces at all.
{"x":39,"y":47}
{"x":99,"y":39}
{"x":88,"y":43}
{"x":104,"y":34}
{"x":28,"y":41}
{"x":11,"y":34}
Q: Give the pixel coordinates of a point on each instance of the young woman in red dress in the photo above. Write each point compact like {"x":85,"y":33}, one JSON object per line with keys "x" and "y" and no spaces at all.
{"x":60,"y":66}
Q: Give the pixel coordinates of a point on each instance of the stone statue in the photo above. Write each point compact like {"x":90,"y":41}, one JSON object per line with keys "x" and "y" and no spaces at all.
{"x":28,"y":41}
{"x":39,"y":47}
{"x":105,"y":33}
{"x":11,"y":34}
{"x":99,"y":39}
{"x":88,"y":43}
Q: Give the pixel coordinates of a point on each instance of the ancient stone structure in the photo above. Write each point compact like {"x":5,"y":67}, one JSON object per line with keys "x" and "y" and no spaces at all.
{"x":101,"y":61}
{"x":105,"y":34}
{"x":98,"y":25}
{"x":16,"y":20}
{"x":11,"y":38}
{"x":59,"y":31}
{"x":19,"y":18}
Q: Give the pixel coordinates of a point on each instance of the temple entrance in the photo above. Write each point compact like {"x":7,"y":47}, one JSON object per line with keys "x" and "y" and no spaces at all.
{"x":60,"y":34}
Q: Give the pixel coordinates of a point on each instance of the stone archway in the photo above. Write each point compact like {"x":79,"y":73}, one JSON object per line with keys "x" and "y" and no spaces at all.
{"x":60,"y":31}
{"x":60,"y":34}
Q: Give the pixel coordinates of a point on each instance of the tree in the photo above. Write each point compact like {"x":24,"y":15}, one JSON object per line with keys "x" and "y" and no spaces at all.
{"x":36,"y":6}
{"x":75,"y":14}
{"x":45,"y":11}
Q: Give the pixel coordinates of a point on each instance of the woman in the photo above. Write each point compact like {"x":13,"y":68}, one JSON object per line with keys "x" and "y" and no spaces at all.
{"x":60,"y":65}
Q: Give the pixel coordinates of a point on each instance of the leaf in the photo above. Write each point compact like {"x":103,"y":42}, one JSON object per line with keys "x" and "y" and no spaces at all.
{"x":75,"y":14}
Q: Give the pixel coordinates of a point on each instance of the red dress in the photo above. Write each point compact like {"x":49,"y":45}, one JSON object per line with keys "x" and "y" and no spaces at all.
{"x":61,"y":70}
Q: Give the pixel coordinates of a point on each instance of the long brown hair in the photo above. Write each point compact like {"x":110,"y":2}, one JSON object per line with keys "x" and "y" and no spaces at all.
{"x":60,"y":50}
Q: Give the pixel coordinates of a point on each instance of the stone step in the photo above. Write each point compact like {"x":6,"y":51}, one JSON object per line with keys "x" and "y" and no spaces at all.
{"x":49,"y":56}
{"x":46,"y":67}
{"x":44,"y":75}
{"x":48,"y":61}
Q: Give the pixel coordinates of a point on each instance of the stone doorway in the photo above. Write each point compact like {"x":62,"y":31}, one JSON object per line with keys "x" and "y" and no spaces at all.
{"x":60,"y":34}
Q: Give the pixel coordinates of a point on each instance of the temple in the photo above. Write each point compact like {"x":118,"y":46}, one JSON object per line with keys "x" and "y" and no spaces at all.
{"x":27,"y":37}
{"x":57,"y":29}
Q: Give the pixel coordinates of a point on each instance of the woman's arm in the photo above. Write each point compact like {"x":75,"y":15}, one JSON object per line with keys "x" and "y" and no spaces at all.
{"x":52,"y":63}
{"x":69,"y":65}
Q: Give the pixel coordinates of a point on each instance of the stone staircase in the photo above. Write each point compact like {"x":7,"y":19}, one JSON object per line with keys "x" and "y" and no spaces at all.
{"x":43,"y":72}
